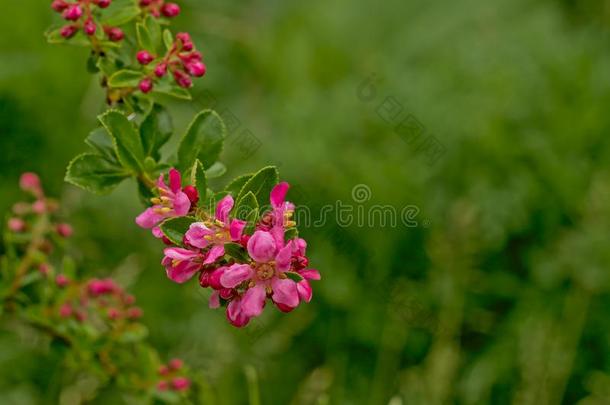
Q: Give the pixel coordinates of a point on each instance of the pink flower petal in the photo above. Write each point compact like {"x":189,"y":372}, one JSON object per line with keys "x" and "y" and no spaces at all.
{"x":310,"y":274}
{"x":214,"y":253}
{"x":262,"y":246}
{"x":214,"y":300}
{"x":157,"y":232}
{"x":183,"y":271}
{"x":149,"y":218}
{"x":285,"y":292}
{"x":283,"y":258}
{"x":180,"y":253}
{"x":253,"y":301}
{"x":223,"y":208}
{"x":304,"y":290}
{"x":278,"y":194}
{"x":182,"y":204}
{"x":235,"y":275}
{"x":299,"y":246}
{"x":174,"y":180}
{"x":235,"y":314}
{"x":236,"y":229}
{"x":196,"y":233}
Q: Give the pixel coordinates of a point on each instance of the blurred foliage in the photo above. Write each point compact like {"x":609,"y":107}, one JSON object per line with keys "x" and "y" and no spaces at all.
{"x":500,"y":295}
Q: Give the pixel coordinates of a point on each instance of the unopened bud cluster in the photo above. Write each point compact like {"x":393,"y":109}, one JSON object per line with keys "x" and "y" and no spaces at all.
{"x":84,"y":15}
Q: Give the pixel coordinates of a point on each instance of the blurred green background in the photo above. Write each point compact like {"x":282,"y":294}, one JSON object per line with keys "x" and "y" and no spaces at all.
{"x":499,"y":295}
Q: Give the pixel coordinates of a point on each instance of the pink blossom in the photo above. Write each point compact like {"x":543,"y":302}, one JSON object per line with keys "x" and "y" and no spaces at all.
{"x":64,"y":230}
{"x":172,"y":202}
{"x":16,"y":224}
{"x":182,"y":264}
{"x":217,"y":231}
{"x":265,"y":275}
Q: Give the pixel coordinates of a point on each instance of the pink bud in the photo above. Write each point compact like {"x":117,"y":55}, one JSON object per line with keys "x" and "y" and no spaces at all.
{"x":135,"y":313}
{"x":182,"y":79}
{"x":163,"y":370}
{"x":146,"y":85}
{"x":89,"y":27}
{"x":144,"y":57}
{"x":72,"y":13}
{"x":81,"y":315}
{"x":64,"y":230}
{"x":65,"y":311}
{"x":59,"y":5}
{"x":244,"y":240}
{"x":61,"y":280}
{"x":103,"y":3}
{"x":185,"y":40}
{"x":175,"y":364}
{"x":161,"y":69}
{"x":68,"y":31}
{"x":16,"y":225}
{"x":30,"y":182}
{"x":170,"y":10}
{"x":99,"y":287}
{"x":129,"y":300}
{"x":144,"y":3}
{"x":181,"y":383}
{"x":114,"y":34}
{"x":44,"y":269}
{"x":162,"y":386}
{"x":39,"y":207}
{"x":196,"y":69}
{"x":113,"y":313}
{"x":192,"y":193}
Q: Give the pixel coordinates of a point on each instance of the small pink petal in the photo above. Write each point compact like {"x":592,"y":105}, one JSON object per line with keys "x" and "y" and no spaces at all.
{"x":196,"y":233}
{"x":180,"y":253}
{"x":310,"y":274}
{"x":214,"y":253}
{"x":253,"y":301}
{"x":182,"y":204}
{"x":214,"y":300}
{"x":299,"y":246}
{"x":174,"y":180}
{"x":223,"y":208}
{"x":182,"y":272}
{"x":304,"y":290}
{"x":235,"y":314}
{"x":284,"y":308}
{"x":236,"y":229}
{"x":235,"y":275}
{"x":283,"y":258}
{"x":278,"y":194}
{"x":157,"y":232}
{"x":262,"y":246}
{"x":149,"y":218}
{"x":285,"y":292}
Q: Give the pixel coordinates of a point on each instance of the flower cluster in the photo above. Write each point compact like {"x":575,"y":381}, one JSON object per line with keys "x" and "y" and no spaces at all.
{"x":158,"y":8}
{"x":172,"y":377}
{"x":84,"y":14}
{"x":245,"y":269}
{"x":181,"y":60}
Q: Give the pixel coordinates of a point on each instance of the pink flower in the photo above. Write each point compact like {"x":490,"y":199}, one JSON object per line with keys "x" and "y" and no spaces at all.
{"x":182,"y":264}
{"x":16,"y":225}
{"x":217,"y":231}
{"x":265,"y":275}
{"x":64,"y":230}
{"x":172,"y":202}
{"x":181,"y":383}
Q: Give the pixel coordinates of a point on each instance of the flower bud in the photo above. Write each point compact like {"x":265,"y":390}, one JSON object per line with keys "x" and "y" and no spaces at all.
{"x":64,"y":230}
{"x":39,"y":207}
{"x":44,"y":269}
{"x":65,"y":311}
{"x":113,"y":313}
{"x":161,"y":69}
{"x":181,"y":383}
{"x":89,"y":27}
{"x":30,"y":182}
{"x":61,"y":280}
{"x":170,"y":10}
{"x":192,"y":193}
{"x":146,"y":85}
{"x":59,"y":5}
{"x":103,"y":3}
{"x":72,"y":13}
{"x":144,"y":57}
{"x":162,"y":386}
{"x":115,"y":34}
{"x":16,"y":225}
{"x":163,"y":370}
{"x":175,"y":364}
{"x":129,"y":300}
{"x":196,"y":69}
{"x":135,"y":313}
{"x":185,"y":41}
{"x":144,"y":3}
{"x":182,"y":79}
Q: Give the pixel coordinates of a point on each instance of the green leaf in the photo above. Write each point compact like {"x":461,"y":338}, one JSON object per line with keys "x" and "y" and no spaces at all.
{"x":155,"y":131}
{"x":99,"y":140}
{"x":144,"y":39}
{"x":127,"y":142}
{"x":261,"y":185}
{"x":172,"y":90}
{"x":54,"y":37}
{"x":198,"y":179}
{"x":203,"y":140}
{"x":154,"y":31}
{"x":94,"y":173}
{"x":168,"y":39}
{"x":125,"y":78}
{"x":120,"y":12}
{"x":237,"y":251}
{"x":134,"y":332}
{"x":216,"y":170}
{"x":246,"y":208}
{"x":291,"y":233}
{"x":236,"y":185}
{"x":175,"y":228}
{"x":293,"y":276}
